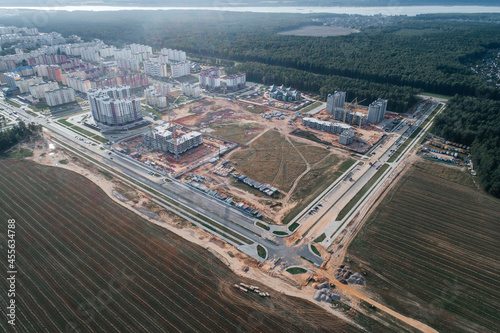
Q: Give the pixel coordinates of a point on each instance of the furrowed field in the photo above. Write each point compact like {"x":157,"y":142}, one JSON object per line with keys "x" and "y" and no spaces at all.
{"x":431,"y":251}
{"x":86,"y":264}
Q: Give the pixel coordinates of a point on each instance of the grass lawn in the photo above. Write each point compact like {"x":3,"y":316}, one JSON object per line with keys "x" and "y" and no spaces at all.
{"x":270,"y":159}
{"x":309,"y":136}
{"x":315,"y":182}
{"x":147,"y":108}
{"x":315,"y":250}
{"x":261,"y":251}
{"x":310,"y":107}
{"x":296,"y":270}
{"x":436,"y":95}
{"x":263,"y":226}
{"x":312,"y":154}
{"x":453,"y":173}
{"x":20,"y":153}
{"x":293,"y":226}
{"x":353,"y":202}
{"x":11,"y":102}
{"x":65,"y":122}
{"x":236,"y":132}
{"x":320,"y":238}
{"x":257,"y":109}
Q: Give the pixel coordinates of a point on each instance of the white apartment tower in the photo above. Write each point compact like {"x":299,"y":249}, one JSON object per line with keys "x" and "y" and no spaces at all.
{"x":114,"y":106}
{"x":191,"y":90}
{"x":236,"y":81}
{"x":376,"y":111}
{"x":155,"y":69}
{"x":335,"y":104}
{"x":180,"y":69}
{"x":60,"y":96}
{"x":174,"y":55}
{"x":210,"y":79}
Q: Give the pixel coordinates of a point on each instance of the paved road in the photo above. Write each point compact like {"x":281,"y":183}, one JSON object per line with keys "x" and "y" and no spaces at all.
{"x":221,"y":212}
{"x":201,"y":203}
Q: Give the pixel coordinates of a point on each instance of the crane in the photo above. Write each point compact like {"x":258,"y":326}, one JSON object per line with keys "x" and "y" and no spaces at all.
{"x":346,"y":107}
{"x":356,"y":107}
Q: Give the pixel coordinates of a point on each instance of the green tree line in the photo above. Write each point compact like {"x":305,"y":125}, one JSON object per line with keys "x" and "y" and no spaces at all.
{"x":16,"y":134}
{"x":475,"y":122}
{"x":424,"y":52}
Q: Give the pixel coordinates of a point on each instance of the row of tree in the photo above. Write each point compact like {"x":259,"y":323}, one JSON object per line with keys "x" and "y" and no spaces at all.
{"x":425,"y":53}
{"x":475,"y":122}
{"x":16,"y":134}
{"x":400,"y":98}
{"x":394,"y":62}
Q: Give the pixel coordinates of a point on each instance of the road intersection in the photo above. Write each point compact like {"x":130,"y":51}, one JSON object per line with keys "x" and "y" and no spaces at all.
{"x":226,"y":222}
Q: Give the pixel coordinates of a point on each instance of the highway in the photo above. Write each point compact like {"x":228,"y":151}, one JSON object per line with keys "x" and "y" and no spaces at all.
{"x":186,"y":198}
{"x":203,"y":204}
{"x":333,"y":227}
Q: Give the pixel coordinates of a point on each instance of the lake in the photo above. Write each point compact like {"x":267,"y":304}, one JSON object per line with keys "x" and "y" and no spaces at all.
{"x":383,"y":10}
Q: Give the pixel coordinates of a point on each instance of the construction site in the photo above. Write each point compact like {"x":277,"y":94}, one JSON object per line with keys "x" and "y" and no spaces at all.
{"x":248,"y":151}
{"x":323,"y":128}
{"x":173,"y":149}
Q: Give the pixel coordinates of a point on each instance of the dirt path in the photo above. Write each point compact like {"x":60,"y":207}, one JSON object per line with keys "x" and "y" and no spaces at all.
{"x":280,"y":168}
{"x":340,"y":248}
{"x":354,"y":293}
{"x":236,"y":263}
{"x":296,"y":182}
{"x":248,"y":143}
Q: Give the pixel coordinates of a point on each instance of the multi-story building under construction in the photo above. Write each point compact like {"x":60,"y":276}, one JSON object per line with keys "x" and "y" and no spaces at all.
{"x":164,"y":138}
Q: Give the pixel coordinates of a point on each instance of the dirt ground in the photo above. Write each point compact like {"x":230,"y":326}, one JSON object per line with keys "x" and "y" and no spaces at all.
{"x":139,"y":203}
{"x":285,"y":164}
{"x":166,"y":162}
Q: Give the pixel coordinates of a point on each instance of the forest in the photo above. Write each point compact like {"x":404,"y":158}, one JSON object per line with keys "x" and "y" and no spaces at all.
{"x":396,"y":61}
{"x":475,"y":122}
{"x":16,"y":134}
{"x":426,"y":53}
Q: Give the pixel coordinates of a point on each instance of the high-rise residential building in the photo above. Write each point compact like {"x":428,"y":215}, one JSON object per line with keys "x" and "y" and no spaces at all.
{"x":346,"y":137}
{"x":12,"y":79}
{"x":155,"y":69}
{"x":236,"y":81}
{"x":325,"y":126}
{"x":42,"y":70}
{"x":60,"y":96}
{"x":90,"y":55}
{"x":54,"y":72}
{"x":107,"y":51}
{"x":335,"y":104}
{"x":38,"y":90}
{"x":157,"y":95}
{"x":210,"y":79}
{"x":25,"y":83}
{"x":128,"y":63}
{"x":122,"y":54}
{"x":141,"y":56}
{"x":138,"y":48}
{"x":155,"y":99}
{"x":113,"y":107}
{"x":180,"y":69}
{"x":133,"y":80}
{"x":161,"y":58}
{"x":191,"y":90}
{"x":78,"y":84}
{"x":376,"y":111}
{"x":174,"y":55}
{"x":162,"y":138}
